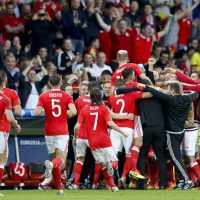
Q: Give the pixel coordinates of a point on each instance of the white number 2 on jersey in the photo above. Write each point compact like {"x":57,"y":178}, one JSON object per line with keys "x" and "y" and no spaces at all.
{"x":121,"y":101}
{"x":55,"y":107}
{"x":95,"y":120}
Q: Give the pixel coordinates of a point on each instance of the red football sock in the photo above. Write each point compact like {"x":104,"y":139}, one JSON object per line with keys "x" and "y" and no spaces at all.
{"x":170,"y":169}
{"x":134,"y":157}
{"x":77,"y":172}
{"x":153,"y":173}
{"x":198,"y":160}
{"x":108,"y":178}
{"x":196,"y":169}
{"x":114,"y":164}
{"x":57,"y":162}
{"x":1,"y":172}
{"x":97,"y":173}
{"x":57,"y":178}
{"x":191,"y":174}
{"x":127,"y":167}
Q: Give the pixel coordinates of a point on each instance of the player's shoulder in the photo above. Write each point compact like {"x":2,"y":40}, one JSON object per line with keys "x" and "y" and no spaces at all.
{"x":8,"y":91}
{"x":4,"y":98}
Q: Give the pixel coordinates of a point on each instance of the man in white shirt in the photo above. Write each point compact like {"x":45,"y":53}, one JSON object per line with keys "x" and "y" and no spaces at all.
{"x":100,"y":65}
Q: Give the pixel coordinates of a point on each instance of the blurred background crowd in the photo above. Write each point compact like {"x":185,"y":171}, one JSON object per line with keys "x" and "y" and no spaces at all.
{"x":79,"y":39}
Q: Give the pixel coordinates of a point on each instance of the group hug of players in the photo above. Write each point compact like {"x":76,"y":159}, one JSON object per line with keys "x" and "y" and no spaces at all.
{"x":153,"y":124}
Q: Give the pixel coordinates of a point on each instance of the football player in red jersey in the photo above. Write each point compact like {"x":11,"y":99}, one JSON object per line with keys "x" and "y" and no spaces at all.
{"x":125,"y":104}
{"x":55,"y":103}
{"x":5,"y":116}
{"x":97,"y":117}
{"x":80,"y":139}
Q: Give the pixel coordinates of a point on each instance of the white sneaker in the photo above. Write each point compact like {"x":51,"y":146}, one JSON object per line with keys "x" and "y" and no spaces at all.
{"x":109,"y":169}
{"x":60,"y":192}
{"x":1,"y":195}
{"x":75,"y":187}
{"x":94,"y":187}
{"x":48,"y":171}
{"x":115,"y":189}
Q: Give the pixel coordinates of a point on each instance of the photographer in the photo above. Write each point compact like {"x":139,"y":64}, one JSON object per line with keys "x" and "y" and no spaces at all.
{"x":42,"y":31}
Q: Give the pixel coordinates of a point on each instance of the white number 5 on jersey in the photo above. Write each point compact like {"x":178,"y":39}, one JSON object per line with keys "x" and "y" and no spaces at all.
{"x":55,"y":107}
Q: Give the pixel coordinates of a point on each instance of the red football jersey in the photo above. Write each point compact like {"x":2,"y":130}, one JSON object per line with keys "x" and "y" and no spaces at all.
{"x":130,"y":85}
{"x":4,"y":105}
{"x":142,"y":47}
{"x":185,"y":25}
{"x":80,"y":103}
{"x":121,"y":41}
{"x":55,"y":103}
{"x":124,"y":104}
{"x":48,"y":8}
{"x":14,"y":100}
{"x":96,"y":118}
{"x":118,"y":72}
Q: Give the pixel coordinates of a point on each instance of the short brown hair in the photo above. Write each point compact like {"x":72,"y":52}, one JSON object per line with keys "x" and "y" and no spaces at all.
{"x":55,"y":80}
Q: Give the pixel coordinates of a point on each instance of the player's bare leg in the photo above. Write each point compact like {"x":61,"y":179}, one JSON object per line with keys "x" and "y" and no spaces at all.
{"x":134,"y":173}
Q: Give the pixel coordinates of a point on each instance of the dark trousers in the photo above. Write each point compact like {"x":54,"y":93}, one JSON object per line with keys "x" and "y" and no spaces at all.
{"x":173,"y":146}
{"x":156,"y":137}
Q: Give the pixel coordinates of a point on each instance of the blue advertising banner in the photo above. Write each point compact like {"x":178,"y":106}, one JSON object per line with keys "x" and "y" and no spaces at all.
{"x":32,"y":149}
{"x":12,"y":152}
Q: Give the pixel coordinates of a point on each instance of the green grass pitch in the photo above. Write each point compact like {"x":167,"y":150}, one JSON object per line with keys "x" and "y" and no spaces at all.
{"x":101,"y":195}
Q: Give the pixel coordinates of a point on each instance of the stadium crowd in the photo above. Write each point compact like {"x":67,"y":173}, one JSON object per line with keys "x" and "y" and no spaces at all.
{"x":112,"y":45}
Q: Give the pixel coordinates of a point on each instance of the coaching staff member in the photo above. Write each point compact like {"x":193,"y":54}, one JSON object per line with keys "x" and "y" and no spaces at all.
{"x":177,"y":106}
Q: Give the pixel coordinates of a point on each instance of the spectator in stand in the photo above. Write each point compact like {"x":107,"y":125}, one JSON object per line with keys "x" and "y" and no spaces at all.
{"x":171,"y":39}
{"x":52,"y":7}
{"x":74,"y":24}
{"x":195,"y":60}
{"x":25,"y":17}
{"x":16,"y":48}
{"x":123,"y":4}
{"x":31,"y":89}
{"x":12,"y":71}
{"x":185,"y":25}
{"x":193,"y":42}
{"x":85,"y":68}
{"x":149,"y":18}
{"x":163,"y":62}
{"x":133,"y":15}
{"x":93,"y":28}
{"x":120,"y":35}
{"x":66,"y":58}
{"x":183,"y":62}
{"x":93,"y":48}
{"x":100,"y":65}
{"x":10,"y":25}
{"x":42,"y":31}
{"x":43,"y":55}
{"x":144,"y":40}
{"x":157,"y":49}
{"x":109,"y":14}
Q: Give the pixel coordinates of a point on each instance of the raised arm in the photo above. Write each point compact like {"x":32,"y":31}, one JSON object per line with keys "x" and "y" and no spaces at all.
{"x":158,"y":94}
{"x":101,"y":23}
{"x":186,"y":12}
{"x":165,"y":30}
